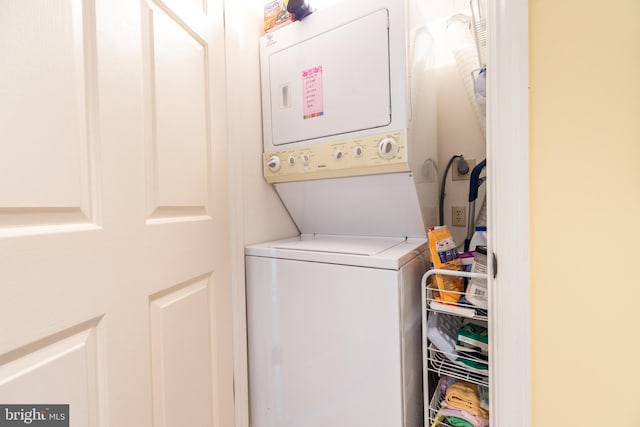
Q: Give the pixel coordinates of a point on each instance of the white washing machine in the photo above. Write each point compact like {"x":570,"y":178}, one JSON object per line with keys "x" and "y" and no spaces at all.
{"x":334,"y":331}
{"x":349,"y":145}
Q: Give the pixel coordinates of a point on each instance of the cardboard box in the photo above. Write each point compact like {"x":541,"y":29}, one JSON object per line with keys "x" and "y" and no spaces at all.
{"x":275,"y":14}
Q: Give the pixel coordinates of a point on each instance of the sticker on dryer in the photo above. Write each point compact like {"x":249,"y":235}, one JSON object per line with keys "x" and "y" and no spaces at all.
{"x":313,"y":96}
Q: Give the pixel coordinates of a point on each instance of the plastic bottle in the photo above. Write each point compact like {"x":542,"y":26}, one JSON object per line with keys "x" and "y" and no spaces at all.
{"x":479,"y":237}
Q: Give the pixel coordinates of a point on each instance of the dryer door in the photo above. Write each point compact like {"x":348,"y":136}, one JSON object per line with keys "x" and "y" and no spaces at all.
{"x":333,"y":83}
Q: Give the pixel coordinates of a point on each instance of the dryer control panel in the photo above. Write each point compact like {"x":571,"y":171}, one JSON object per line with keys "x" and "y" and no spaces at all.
{"x":372,"y":154}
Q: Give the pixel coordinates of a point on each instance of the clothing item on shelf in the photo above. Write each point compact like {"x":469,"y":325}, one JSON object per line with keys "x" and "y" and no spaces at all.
{"x":474,"y":336}
{"x":445,"y":382}
{"x":472,"y":345}
{"x":473,"y":420}
{"x":458,"y":422}
{"x":465,"y":396}
{"x":477,"y":364}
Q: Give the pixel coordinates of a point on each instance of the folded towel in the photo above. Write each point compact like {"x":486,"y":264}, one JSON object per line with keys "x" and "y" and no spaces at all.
{"x":465,"y":396}
{"x":474,"y":336}
{"x":474,"y":420}
{"x":458,"y":422}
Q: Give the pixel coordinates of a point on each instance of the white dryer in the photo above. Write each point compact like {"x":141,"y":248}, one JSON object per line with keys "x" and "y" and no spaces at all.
{"x":349,"y":119}
{"x":334,"y":332}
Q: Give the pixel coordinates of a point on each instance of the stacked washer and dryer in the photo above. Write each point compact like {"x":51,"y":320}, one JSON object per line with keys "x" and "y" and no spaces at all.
{"x":349,"y":145}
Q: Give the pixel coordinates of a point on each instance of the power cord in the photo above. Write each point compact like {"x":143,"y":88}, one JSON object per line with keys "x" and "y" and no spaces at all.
{"x":463,"y":169}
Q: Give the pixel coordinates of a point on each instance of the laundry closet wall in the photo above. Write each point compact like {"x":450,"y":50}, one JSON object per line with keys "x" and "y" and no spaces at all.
{"x":257,"y":215}
{"x":259,"y":210}
{"x":458,"y":129}
{"x":585,"y":200}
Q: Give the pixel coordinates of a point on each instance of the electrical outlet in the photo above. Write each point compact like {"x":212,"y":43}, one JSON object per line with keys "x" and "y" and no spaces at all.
{"x":459,"y":216}
{"x":454,"y":170}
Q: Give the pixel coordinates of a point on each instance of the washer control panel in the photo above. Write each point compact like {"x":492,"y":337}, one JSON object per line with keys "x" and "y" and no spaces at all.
{"x":368,"y":155}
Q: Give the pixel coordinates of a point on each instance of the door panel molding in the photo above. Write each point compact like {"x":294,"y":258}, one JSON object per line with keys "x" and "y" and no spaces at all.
{"x":176,"y":69}
{"x":63,"y":368}
{"x":49,"y":162}
{"x":182,"y":379}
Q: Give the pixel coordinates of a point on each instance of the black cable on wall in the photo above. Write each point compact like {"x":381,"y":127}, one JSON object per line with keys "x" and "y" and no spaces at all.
{"x":463,"y":169}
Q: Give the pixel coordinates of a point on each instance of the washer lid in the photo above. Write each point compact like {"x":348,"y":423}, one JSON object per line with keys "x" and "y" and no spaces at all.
{"x":376,"y":252}
{"x":341,"y":244}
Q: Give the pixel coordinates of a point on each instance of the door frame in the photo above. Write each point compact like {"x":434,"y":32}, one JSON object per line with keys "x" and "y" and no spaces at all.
{"x":508,"y":211}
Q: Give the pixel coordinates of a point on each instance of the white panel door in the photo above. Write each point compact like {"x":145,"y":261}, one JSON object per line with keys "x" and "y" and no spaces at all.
{"x":114,"y":264}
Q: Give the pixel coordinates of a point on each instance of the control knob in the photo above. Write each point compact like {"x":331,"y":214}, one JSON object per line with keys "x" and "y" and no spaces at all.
{"x":274,"y":164}
{"x":388,"y":148}
{"x":358,"y":151}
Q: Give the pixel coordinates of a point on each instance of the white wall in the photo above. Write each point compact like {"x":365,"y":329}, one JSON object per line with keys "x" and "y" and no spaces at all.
{"x":263,"y":215}
{"x":458,"y":133}
{"x":257,"y":215}
{"x":458,"y":129}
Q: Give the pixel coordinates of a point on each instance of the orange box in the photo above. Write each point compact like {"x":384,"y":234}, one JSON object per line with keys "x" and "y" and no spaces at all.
{"x":275,"y":14}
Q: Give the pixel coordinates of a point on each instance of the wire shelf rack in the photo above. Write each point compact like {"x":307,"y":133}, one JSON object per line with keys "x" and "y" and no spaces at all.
{"x":463,"y":309}
{"x":448,"y":364}
{"x":441,"y":364}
